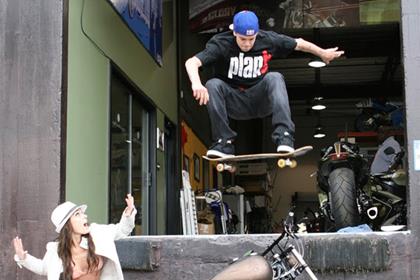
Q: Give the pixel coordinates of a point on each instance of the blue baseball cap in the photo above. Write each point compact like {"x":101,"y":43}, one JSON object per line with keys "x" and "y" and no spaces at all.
{"x":245,"y":23}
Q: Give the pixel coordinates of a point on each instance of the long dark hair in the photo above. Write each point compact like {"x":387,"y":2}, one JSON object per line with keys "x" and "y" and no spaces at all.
{"x":65,"y":242}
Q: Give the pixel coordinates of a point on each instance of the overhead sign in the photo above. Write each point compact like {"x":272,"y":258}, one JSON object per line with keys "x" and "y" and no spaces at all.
{"x":275,"y":14}
{"x":144,"y":19}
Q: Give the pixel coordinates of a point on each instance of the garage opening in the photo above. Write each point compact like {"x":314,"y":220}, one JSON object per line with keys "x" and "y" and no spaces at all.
{"x":350,"y":181}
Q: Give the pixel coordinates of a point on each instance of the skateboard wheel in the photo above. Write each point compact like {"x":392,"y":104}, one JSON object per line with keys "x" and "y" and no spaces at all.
{"x":293,"y":163}
{"x":232,"y":169}
{"x":281,"y":163}
{"x":220,"y":167}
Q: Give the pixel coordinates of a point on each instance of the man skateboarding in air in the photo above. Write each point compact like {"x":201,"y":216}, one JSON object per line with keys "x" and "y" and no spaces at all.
{"x":242,"y":87}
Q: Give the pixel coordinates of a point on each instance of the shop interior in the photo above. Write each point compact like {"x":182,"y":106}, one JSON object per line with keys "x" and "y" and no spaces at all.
{"x":357,"y":100}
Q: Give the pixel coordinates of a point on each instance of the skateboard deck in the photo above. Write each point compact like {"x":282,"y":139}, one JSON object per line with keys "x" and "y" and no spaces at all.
{"x":284,"y":159}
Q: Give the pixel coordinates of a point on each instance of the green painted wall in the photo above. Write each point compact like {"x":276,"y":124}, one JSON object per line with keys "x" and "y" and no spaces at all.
{"x":88,"y":95}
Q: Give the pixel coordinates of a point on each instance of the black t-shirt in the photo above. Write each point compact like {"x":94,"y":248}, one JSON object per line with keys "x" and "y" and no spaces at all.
{"x":244,"y":69}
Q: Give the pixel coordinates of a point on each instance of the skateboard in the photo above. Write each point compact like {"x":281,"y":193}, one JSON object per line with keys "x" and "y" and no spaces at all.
{"x":283,"y":159}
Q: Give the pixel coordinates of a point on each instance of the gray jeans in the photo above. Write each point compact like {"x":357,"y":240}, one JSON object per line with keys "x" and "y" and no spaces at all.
{"x":269,"y":96}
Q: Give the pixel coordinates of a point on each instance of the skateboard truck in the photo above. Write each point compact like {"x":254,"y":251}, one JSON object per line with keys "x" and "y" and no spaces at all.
{"x":224,"y":166}
{"x":292,"y":163}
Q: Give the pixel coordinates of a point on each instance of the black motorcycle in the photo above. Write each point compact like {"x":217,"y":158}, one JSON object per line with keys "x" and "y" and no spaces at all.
{"x":387,"y":193}
{"x":342,"y":173}
{"x":282,"y":260}
{"x":354,"y":196}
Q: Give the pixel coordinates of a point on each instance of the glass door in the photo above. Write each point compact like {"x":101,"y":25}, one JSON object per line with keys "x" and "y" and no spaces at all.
{"x":129,"y":164}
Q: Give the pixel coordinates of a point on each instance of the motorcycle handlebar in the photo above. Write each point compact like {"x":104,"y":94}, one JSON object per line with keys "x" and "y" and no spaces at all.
{"x":344,"y":146}
{"x":348,"y":149}
{"x":327,"y":152}
{"x":287,"y":229}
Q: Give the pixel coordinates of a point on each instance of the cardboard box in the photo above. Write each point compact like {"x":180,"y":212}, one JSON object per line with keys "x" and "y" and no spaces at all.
{"x":205,"y":228}
{"x":205,"y":221}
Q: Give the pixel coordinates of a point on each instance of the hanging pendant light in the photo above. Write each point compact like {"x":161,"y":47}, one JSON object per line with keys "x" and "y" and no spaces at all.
{"x":317,"y":104}
{"x":319,"y":129}
{"x":316,"y":63}
{"x":319,"y":132}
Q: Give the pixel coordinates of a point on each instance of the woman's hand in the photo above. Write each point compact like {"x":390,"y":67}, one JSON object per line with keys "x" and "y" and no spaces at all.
{"x":19,"y":251}
{"x":130,"y":205}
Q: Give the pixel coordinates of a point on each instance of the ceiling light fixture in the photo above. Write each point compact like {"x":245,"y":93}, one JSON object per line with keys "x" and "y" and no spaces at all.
{"x":317,"y":63}
{"x":319,"y":132}
{"x":318,"y":105}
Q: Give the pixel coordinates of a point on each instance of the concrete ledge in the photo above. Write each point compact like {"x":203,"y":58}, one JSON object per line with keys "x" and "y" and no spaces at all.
{"x":356,"y":254}
{"x":138,"y":254}
{"x":373,"y":256}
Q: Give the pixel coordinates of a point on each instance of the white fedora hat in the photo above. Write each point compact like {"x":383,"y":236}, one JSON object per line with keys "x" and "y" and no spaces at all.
{"x":63,"y":212}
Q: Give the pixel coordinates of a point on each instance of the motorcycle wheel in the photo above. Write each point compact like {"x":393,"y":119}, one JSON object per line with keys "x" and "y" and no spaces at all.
{"x":343,"y":198}
{"x":365,"y":122}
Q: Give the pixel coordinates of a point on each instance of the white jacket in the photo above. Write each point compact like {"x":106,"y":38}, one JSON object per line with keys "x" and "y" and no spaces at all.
{"x":103,"y":237}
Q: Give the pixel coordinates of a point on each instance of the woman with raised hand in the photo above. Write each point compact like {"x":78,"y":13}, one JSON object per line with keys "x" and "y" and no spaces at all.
{"x":82,"y":251}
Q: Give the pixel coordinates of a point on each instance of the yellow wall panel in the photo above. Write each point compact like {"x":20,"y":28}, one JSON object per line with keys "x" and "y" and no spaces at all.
{"x":194,"y":148}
